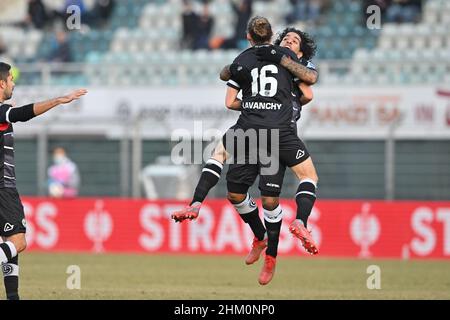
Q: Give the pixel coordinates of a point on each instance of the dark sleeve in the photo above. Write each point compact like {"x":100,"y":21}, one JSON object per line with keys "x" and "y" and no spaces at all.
{"x":22,"y":114}
{"x":233,"y":83}
{"x":288,"y":52}
{"x":4,"y":108}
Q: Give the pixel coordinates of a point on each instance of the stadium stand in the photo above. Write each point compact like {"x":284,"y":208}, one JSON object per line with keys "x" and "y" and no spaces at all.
{"x":146,"y":34}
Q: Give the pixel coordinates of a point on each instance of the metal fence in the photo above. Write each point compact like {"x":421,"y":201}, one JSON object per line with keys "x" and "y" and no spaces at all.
{"x":347,"y":169}
{"x":386,"y":168}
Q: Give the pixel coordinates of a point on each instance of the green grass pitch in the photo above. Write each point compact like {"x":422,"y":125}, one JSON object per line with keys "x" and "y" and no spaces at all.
{"x":128,"y":276}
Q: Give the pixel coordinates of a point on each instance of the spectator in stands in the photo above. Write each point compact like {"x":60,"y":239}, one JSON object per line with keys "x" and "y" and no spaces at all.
{"x":61,"y":48}
{"x":189,"y":18}
{"x":3,"y":50}
{"x":309,"y":11}
{"x":102,"y":11}
{"x":63,"y":176}
{"x":63,"y":15}
{"x":382,"y":4}
{"x":243,"y":10}
{"x":5,"y":57}
{"x":37,"y":14}
{"x":204,"y":26}
{"x":401,"y":11}
{"x":78,"y":3}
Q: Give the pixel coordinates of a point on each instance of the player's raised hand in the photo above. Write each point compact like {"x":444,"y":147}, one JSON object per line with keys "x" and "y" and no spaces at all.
{"x":269,"y":53}
{"x":73,"y":96}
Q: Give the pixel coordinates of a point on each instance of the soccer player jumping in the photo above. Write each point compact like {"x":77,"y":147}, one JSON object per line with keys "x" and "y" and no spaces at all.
{"x":12,"y":217}
{"x":304,"y":47}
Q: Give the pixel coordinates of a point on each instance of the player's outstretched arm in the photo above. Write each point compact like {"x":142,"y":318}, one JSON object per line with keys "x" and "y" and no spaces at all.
{"x":42,"y":107}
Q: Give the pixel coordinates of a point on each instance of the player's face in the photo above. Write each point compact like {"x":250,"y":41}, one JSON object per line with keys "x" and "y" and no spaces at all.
{"x":292,"y":41}
{"x":9,"y":87}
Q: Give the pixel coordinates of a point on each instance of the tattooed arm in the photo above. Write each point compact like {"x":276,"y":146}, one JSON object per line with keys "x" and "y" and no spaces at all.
{"x":305,"y":74}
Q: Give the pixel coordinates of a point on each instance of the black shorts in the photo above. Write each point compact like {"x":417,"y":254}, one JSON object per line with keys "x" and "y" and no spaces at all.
{"x":242,"y":172}
{"x":12,"y":216}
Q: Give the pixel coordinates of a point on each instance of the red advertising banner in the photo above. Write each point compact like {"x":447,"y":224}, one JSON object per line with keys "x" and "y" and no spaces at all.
{"x":379,"y":229}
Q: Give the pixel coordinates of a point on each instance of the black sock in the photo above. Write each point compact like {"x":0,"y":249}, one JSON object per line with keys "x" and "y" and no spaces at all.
{"x":273,"y":234}
{"x":272,"y":220}
{"x":11,"y":278}
{"x":208,"y":179}
{"x":255,"y":223}
{"x":305,"y":198}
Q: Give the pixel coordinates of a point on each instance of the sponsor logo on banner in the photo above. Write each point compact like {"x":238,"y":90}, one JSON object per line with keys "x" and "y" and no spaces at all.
{"x":365,"y":230}
{"x":359,"y":229}
{"x":335,"y":113}
{"x":98,"y":226}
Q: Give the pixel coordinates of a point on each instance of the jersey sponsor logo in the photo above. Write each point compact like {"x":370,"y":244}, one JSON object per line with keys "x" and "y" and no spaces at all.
{"x":300,"y":153}
{"x":274,"y":185}
{"x":262,"y":105}
{"x":8,"y":227}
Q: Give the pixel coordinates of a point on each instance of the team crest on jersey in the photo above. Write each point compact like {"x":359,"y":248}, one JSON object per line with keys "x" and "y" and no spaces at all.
{"x":8,"y":227}
{"x":7,"y":269}
{"x":24,"y":223}
{"x":300,"y":153}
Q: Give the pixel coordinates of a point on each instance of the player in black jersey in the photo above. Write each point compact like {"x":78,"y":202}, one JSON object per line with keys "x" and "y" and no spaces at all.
{"x":305,"y":171}
{"x":12,"y":217}
{"x":266,"y":104}
{"x":284,"y":119}
{"x":305,"y":72}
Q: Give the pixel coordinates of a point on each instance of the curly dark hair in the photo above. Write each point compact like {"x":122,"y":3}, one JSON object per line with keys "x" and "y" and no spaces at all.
{"x":307,"y":46}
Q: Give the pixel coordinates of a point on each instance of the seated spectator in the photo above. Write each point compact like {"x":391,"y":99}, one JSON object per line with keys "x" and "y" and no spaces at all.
{"x":189,"y":18}
{"x":204,"y":25}
{"x":3,"y":50}
{"x":100,"y":13}
{"x":63,"y":15}
{"x":401,"y":11}
{"x":63,"y":176}
{"x":382,"y":4}
{"x":61,"y":51}
{"x":243,"y":10}
{"x":78,"y":3}
{"x":37,"y":14}
{"x":309,"y":11}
